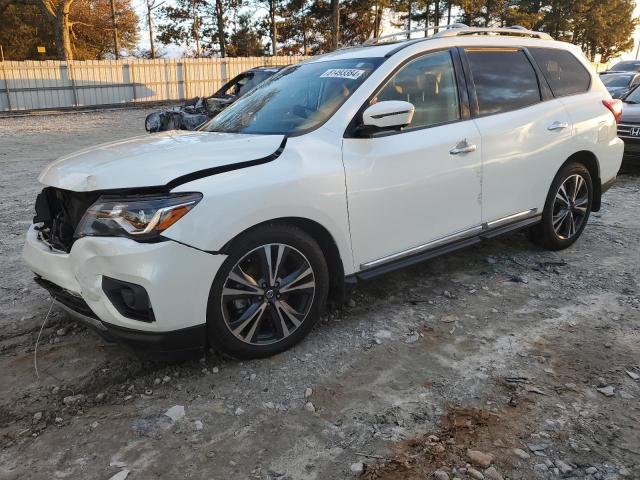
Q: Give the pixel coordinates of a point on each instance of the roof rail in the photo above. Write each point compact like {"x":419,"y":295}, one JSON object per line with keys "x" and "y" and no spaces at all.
{"x":406,"y":34}
{"x":516,"y":30}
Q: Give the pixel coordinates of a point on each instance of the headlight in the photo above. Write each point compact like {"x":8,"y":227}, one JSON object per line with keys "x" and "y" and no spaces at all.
{"x":141,"y":217}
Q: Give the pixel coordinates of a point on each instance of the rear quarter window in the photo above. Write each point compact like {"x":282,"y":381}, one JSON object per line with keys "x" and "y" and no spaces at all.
{"x":562,"y":70}
{"x":504,"y":79}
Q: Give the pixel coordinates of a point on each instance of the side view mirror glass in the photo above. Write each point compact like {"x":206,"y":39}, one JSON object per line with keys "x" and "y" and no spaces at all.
{"x":389,"y":114}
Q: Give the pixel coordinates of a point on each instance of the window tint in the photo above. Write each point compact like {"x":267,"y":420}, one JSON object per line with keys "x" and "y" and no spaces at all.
{"x":563,"y":71}
{"x":242,"y":85}
{"x":616,"y":80}
{"x":504,"y":79}
{"x":428,"y":83}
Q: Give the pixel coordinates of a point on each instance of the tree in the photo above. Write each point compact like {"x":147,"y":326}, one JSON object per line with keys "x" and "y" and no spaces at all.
{"x":361,"y":19}
{"x":151,"y":6}
{"x":58,"y":15}
{"x":91,"y":30}
{"x":22,"y":32}
{"x":295,"y":33}
{"x":84,"y":32}
{"x":183,"y":23}
{"x":200,"y":23}
{"x":604,"y":29}
{"x":220,"y":19}
{"x":245,"y":41}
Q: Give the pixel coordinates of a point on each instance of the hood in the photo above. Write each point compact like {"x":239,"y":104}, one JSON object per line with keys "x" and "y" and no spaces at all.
{"x":630,"y":113}
{"x":155,"y":160}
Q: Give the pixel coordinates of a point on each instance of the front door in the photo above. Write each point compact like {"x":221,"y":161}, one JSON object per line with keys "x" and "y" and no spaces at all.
{"x":419,"y":187}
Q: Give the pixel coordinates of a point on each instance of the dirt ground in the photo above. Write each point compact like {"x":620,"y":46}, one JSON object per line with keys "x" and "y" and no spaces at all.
{"x":497,"y":348}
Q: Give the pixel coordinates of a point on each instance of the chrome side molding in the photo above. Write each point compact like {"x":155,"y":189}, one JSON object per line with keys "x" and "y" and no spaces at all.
{"x":469,"y":232}
{"x":510,"y":218}
{"x":460,"y":235}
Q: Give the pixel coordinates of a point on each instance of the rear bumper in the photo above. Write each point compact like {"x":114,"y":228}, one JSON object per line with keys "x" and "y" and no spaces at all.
{"x":176,"y":277}
{"x":631,"y":151}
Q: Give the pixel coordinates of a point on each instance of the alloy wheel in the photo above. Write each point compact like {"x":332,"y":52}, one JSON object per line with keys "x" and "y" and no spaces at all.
{"x":570,"y":206}
{"x":268,"y":294}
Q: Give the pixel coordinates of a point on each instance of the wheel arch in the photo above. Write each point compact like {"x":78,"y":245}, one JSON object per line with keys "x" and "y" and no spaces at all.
{"x":327,"y":244}
{"x":590,"y":161}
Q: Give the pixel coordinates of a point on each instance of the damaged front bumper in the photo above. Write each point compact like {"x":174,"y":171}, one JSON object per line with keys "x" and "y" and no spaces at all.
{"x":176,"y":278}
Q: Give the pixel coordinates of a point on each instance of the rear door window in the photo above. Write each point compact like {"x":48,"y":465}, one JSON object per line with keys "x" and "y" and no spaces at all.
{"x":563,"y":71}
{"x":504,"y":79}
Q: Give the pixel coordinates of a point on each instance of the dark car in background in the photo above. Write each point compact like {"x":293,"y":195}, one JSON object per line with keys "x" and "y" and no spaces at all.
{"x":201,"y":109}
{"x":629,"y":127}
{"x":626,"y":66}
{"x":620,"y":83}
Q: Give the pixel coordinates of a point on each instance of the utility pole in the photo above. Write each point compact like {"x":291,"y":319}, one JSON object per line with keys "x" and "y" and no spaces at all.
{"x":195,"y":28}
{"x":151,"y":6}
{"x":437,"y":15}
{"x":274,"y":27}
{"x":409,"y":14}
{"x":116,"y":45}
{"x":304,"y":36}
{"x":222,"y":42}
{"x":335,"y":24}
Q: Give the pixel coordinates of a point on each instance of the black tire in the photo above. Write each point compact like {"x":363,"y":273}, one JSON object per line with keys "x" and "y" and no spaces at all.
{"x":246,"y":255}
{"x":562,"y":235}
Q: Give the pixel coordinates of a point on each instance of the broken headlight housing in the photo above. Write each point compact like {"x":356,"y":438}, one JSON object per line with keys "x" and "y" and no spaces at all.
{"x":141,"y":217}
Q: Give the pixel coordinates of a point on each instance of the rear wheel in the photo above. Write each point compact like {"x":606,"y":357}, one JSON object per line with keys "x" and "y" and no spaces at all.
{"x":567,"y":208}
{"x":268,"y":293}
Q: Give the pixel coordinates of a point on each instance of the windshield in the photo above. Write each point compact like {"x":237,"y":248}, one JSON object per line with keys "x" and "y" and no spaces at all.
{"x":616,"y":80}
{"x":296,"y":99}
{"x":626,"y":66}
{"x":633,"y":97}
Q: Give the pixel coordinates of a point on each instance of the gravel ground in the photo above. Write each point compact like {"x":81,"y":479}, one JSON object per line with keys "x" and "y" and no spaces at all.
{"x":503,"y":361}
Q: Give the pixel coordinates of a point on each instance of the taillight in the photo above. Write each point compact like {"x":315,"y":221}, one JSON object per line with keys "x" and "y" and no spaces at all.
{"x":615,"y":106}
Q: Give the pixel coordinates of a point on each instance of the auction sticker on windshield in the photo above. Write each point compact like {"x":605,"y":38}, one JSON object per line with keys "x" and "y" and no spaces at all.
{"x":350,"y":73}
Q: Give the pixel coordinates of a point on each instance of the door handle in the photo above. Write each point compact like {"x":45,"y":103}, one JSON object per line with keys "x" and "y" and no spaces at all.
{"x":462,"y":147}
{"x":557,"y":126}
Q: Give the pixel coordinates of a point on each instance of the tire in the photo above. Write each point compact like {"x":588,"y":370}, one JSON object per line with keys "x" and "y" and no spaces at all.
{"x":565,"y":213}
{"x":264,"y":299}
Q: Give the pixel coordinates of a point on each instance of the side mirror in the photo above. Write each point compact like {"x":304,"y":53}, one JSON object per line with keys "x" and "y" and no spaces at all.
{"x":389,"y":114}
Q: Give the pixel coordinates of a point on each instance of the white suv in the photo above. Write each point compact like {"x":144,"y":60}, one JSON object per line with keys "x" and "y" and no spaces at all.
{"x":340,"y":168}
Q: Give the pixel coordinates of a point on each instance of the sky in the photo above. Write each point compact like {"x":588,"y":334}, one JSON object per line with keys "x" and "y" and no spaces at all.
{"x":174,"y":51}
{"x":636,"y":37}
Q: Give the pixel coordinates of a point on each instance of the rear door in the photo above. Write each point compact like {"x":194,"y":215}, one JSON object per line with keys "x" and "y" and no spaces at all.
{"x":525,"y":132}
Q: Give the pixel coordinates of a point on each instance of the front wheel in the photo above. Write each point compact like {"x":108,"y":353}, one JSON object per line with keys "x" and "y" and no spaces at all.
{"x":268,"y":293}
{"x":567,"y":208}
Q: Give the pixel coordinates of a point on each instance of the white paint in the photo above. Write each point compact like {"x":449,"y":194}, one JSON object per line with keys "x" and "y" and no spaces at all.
{"x":375,"y":196}
{"x":153,"y":160}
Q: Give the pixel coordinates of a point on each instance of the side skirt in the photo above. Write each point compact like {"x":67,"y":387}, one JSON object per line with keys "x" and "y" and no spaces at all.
{"x":486,"y":234}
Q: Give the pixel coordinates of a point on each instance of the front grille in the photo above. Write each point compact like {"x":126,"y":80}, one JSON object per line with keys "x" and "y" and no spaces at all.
{"x":66,"y":298}
{"x":58,"y":213}
{"x":629,"y":131}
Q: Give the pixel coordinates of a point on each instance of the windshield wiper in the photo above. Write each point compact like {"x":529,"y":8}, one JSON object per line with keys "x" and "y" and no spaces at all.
{"x":631,"y":102}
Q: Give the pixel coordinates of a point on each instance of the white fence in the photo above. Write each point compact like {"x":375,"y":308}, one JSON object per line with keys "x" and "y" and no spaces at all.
{"x":36,"y":85}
